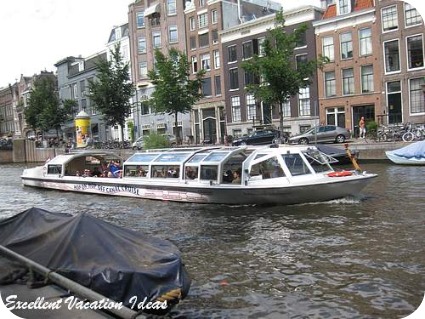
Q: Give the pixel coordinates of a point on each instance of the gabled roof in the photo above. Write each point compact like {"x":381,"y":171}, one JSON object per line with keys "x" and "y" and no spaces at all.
{"x":330,"y":12}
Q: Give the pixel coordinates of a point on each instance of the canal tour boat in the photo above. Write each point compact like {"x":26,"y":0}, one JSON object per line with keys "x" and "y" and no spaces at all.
{"x":271,"y":175}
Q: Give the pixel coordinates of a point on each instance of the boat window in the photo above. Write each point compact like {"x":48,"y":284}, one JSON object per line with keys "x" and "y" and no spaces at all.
{"x":209,"y":172}
{"x":269,"y":168}
{"x":215,"y":156}
{"x":295,"y":164}
{"x":165,"y":171}
{"x":318,"y":160}
{"x":54,"y":169}
{"x":92,"y":160}
{"x":233,"y":164}
{"x":197,"y":158}
{"x":136,"y":170}
{"x":142,"y":157}
{"x":191,"y":172}
{"x":172,"y":157}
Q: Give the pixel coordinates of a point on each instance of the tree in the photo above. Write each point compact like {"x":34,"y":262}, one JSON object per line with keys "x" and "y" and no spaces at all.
{"x":112,"y":89}
{"x":174,"y":91}
{"x":280,"y":75}
{"x":44,"y":111}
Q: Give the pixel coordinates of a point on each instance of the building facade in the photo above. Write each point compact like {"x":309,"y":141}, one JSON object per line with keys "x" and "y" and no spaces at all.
{"x":401,"y":30}
{"x":74,"y":74}
{"x":239,"y":44}
{"x":154,"y":25}
{"x":205,"y":23}
{"x":349,"y":85}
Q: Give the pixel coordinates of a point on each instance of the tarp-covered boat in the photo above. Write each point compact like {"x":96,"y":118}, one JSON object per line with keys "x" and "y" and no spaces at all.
{"x":413,"y":154}
{"x":121,"y":264}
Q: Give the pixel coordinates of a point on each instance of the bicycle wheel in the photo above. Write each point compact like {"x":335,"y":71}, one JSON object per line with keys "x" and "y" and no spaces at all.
{"x":408,"y":137}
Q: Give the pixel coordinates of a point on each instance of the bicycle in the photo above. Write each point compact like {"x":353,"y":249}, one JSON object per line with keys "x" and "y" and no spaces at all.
{"x":417,"y":133}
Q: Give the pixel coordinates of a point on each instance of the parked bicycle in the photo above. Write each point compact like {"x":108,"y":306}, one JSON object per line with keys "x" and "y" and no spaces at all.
{"x":414,"y":133}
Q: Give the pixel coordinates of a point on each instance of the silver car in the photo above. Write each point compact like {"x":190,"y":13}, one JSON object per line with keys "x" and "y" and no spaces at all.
{"x":321,"y":134}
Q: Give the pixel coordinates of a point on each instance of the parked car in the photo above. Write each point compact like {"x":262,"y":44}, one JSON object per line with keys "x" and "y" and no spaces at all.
{"x":138,"y":144}
{"x":172,"y":139}
{"x":258,"y":137}
{"x":321,"y":134}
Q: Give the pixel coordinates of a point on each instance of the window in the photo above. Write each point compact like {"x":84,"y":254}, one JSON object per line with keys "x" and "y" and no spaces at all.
{"x":344,"y":7}
{"x":261,"y":46}
{"x":250,"y":78}
{"x":192,"y":23}
{"x":140,"y":18}
{"x":142,"y":45}
{"x":232,"y":53}
{"x":411,"y":15}
{"x":247,"y":50}
{"x":330,"y":88}
{"x":301,"y":59}
{"x":172,"y":36}
{"x":394,"y":102}
{"x":367,"y":78}
{"x":206,"y":87}
{"x":304,"y":101}
{"x":392,"y":57}
{"x":201,"y":3}
{"x":171,"y":7}
{"x":347,"y":81}
{"x":202,"y":20}
{"x":216,"y":54}
{"x":335,"y":116}
{"x":251,"y":107}
{"x":192,"y":43}
{"x":204,"y":40}
{"x":302,"y":40}
{"x":156,"y":39}
{"x":415,"y":52}
{"x":205,"y":61}
{"x":328,"y":48}
{"x":417,"y":103}
{"x":234,"y":80}
{"x":365,"y":39}
{"x":389,"y":18}
{"x":286,"y":109}
{"x":194,"y":61}
{"x":143,"y":69}
{"x":236,"y":108}
{"x":214,"y":16}
{"x":214,"y":34}
{"x":217,"y":80}
{"x":346,"y":46}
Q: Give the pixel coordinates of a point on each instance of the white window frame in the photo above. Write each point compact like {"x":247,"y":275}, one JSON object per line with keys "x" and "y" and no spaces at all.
{"x":251,"y":107}
{"x":411,"y":14}
{"x":365,"y":42}
{"x":346,"y":45}
{"x":203,"y":20}
{"x":156,"y":35}
{"x":408,"y":53}
{"x":392,"y":23}
{"x":304,"y":106}
{"x":214,"y":16}
{"x":420,"y":104}
{"x":143,"y":66}
{"x":206,"y":61}
{"x":366,"y":80}
{"x":139,"y":41}
{"x":330,"y":89}
{"x":328,"y":49}
{"x":171,"y":7}
{"x":192,"y":24}
{"x":142,"y":15}
{"x":171,"y":30}
{"x":385,"y":56}
{"x":347,"y":81}
{"x":216,"y":55}
{"x":235,"y":102}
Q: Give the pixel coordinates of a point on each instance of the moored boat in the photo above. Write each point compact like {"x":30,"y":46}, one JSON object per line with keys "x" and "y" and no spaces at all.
{"x":412,"y":154}
{"x":123,"y":265}
{"x":278,"y":175}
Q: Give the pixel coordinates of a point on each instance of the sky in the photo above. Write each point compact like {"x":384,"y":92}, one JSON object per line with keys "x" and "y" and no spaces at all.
{"x":38,"y":33}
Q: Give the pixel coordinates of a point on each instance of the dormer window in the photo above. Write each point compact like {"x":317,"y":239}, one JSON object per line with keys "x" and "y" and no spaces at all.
{"x":343,"y":7}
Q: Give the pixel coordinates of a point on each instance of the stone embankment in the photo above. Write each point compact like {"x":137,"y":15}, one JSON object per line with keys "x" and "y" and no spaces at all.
{"x":24,"y":151}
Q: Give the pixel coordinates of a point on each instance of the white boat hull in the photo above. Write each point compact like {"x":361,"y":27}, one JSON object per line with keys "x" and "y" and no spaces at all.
{"x":328,"y":189}
{"x":403,"y":160}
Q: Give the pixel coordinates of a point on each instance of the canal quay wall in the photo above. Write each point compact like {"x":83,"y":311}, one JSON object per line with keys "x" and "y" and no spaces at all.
{"x":24,"y":151}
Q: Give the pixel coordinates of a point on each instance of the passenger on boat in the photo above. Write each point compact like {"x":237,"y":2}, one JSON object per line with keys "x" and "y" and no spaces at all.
{"x":96,"y":172}
{"x":237,"y":176}
{"x":228,"y":176}
{"x":114,"y":169}
{"x":191,"y":173}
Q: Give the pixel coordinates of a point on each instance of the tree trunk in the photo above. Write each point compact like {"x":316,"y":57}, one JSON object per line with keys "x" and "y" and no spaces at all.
{"x":176,"y":128}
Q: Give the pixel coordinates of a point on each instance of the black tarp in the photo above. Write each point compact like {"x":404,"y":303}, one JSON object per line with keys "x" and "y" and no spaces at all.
{"x":113,"y":261}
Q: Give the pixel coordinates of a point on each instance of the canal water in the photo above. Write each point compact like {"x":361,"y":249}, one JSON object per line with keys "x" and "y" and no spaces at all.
{"x":360,"y":257}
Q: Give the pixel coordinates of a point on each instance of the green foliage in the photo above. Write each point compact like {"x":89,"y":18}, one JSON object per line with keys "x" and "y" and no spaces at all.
{"x":44,"y":111}
{"x":280,"y":74}
{"x":371,"y":126}
{"x":174,"y":92}
{"x":130,"y":125}
{"x":112,"y":89}
{"x":154,"y":140}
